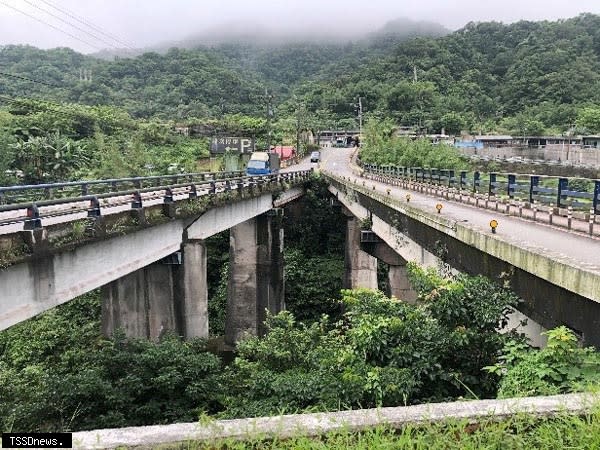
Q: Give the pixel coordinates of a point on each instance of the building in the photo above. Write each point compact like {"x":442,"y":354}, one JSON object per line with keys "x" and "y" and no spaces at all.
{"x":591,"y":141}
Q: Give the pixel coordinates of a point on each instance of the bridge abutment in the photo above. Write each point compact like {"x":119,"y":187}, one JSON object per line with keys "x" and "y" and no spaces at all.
{"x":255,"y":276}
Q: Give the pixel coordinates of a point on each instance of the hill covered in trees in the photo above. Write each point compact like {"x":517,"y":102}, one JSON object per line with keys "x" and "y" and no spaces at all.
{"x":527,"y":76}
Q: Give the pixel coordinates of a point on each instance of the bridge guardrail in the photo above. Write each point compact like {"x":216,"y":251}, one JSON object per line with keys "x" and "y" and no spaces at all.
{"x":560,"y":192}
{"x":48,"y":191}
{"x":32,"y":213}
{"x":573,"y":198}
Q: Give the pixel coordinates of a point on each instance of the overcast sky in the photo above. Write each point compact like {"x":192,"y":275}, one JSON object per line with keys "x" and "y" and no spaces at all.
{"x":145,"y":22}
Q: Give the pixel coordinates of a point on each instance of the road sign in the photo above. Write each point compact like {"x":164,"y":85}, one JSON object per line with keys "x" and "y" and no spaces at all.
{"x":221,"y":144}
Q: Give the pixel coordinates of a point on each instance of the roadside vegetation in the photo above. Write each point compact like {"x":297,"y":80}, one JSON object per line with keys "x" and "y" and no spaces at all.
{"x":519,"y":432}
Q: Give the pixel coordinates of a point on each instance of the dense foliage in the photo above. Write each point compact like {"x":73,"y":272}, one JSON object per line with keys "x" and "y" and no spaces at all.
{"x":57,"y":373}
{"x":46,"y":142}
{"x":560,"y":367}
{"x":382,"y":146}
{"x":314,"y":264}
{"x":383,"y":352}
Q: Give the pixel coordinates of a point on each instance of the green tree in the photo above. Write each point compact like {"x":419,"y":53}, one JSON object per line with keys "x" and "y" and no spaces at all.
{"x":589,"y":118}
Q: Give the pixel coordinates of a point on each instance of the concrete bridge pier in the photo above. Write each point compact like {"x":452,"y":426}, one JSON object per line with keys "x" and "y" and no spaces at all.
{"x":360,"y":267}
{"x":255,"y":275}
{"x":398,"y":283}
{"x":168,"y":295}
{"x":192,"y":294}
{"x":141,"y":303}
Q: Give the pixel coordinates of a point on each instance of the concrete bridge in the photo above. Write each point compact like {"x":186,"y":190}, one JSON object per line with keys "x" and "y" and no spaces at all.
{"x":553,"y":265}
{"x":146,"y":251}
{"x":150,"y":259}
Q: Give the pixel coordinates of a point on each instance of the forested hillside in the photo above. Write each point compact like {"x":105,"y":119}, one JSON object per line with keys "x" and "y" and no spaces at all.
{"x":524,"y":77}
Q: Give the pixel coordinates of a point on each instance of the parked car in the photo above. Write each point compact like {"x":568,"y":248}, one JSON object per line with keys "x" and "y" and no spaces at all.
{"x":315,"y":157}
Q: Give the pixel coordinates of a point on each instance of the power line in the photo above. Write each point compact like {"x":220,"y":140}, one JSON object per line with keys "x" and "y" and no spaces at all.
{"x":69,"y":23}
{"x":19,"y":77}
{"x":49,"y":24}
{"x":88,"y":23}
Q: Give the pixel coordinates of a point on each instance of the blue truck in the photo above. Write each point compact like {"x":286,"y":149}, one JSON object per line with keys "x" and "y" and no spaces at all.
{"x":263,"y":163}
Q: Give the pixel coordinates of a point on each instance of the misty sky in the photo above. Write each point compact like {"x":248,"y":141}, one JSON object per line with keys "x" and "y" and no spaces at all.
{"x":141,"y":23}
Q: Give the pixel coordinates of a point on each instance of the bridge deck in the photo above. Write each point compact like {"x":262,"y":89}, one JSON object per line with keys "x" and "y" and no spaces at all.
{"x":568,"y":247}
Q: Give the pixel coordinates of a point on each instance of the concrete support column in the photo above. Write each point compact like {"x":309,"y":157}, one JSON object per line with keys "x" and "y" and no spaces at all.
{"x":255,"y":276}
{"x":192,"y":293}
{"x":140,"y":303}
{"x":400,"y":285}
{"x":270,"y":279}
{"x":360,"y":267}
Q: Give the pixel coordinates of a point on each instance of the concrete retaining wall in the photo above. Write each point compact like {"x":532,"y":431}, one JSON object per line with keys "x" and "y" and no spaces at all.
{"x":322,"y":423}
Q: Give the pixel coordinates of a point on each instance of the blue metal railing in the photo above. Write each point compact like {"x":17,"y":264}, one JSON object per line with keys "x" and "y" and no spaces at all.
{"x":36,"y":192}
{"x":184,"y":184}
{"x":577,"y":193}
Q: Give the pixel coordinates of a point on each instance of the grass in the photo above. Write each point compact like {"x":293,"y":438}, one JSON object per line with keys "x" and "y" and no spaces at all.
{"x":520,"y":432}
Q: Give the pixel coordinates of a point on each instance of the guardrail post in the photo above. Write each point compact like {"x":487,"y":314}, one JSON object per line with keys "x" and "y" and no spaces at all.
{"x":227,"y":185}
{"x":168,"y":198}
{"x":563,"y":185}
{"x":136,"y":203}
{"x":492,"y":185}
{"x":534,"y":182}
{"x":476,"y":181}
{"x":84,"y":189}
{"x":592,"y":220}
{"x":33,"y":220}
{"x":168,"y":207}
{"x":510,"y":188}
{"x":569,"y":217}
{"x":596,"y":200}
{"x":193,"y":191}
{"x":422,"y":174}
{"x":48,"y":193}
{"x":213,"y":187}
{"x":94,"y":210}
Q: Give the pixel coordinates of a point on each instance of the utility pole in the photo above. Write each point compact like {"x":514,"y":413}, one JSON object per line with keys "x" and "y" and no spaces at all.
{"x":269,"y":98}
{"x":359,"y":116}
{"x":297,"y":130}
